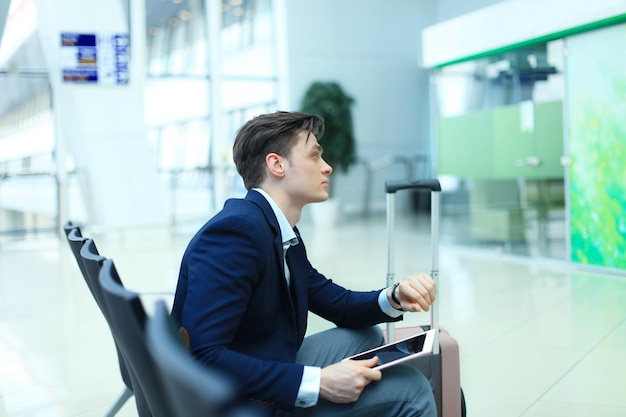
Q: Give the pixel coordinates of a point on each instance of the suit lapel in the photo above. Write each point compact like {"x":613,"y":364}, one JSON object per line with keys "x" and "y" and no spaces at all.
{"x":296,"y":291}
{"x":270,"y":217}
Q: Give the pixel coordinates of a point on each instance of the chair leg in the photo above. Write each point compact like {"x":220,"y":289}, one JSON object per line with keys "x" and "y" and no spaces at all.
{"x":124,"y":396}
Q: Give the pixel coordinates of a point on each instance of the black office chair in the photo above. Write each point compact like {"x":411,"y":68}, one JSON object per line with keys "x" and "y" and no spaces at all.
{"x":77,"y":242}
{"x":128,"y":321}
{"x":193,"y":390}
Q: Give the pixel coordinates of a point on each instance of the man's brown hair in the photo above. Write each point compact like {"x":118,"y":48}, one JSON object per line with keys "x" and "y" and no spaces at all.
{"x":270,"y":133}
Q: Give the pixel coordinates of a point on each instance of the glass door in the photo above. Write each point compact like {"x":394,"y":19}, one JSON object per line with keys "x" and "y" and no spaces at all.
{"x":499,"y":132}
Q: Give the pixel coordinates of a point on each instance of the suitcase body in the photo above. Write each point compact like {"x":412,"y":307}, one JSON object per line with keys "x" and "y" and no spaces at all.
{"x":442,"y":368}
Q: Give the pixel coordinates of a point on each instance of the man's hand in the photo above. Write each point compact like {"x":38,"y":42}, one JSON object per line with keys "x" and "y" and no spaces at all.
{"x":343,"y":382}
{"x":416,"y":293}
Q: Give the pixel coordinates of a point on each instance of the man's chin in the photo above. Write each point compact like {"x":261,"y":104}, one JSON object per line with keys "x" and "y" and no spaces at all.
{"x":321,"y":198}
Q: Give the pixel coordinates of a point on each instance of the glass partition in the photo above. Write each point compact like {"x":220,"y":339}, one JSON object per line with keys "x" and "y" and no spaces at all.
{"x":596,"y":91}
{"x":499,"y":134}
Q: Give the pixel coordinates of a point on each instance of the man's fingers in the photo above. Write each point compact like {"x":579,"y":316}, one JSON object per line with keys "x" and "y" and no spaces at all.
{"x":370,"y":363}
{"x":419,"y":291}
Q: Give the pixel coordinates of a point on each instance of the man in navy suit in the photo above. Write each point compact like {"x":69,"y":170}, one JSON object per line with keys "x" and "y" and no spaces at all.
{"x":246,"y":286}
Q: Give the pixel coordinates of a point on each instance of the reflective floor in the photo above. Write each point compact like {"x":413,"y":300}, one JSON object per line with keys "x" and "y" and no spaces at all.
{"x":537,"y":338}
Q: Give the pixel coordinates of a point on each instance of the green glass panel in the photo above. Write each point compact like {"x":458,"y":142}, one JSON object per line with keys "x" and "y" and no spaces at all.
{"x":597,"y":131}
{"x":465,"y":145}
{"x":500,"y":144}
{"x":549,"y":139}
{"x":512,"y":143}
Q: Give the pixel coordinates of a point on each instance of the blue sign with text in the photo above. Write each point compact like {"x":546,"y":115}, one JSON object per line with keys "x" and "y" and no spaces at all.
{"x":95,"y":58}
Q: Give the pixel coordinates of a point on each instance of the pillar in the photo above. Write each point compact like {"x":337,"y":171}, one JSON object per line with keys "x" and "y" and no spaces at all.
{"x":101,"y":125}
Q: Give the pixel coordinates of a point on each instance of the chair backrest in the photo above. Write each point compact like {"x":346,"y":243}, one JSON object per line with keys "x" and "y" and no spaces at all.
{"x":128,"y":321}
{"x":76,"y":240}
{"x":68,"y":226}
{"x":92,"y":261}
{"x":193,"y":390}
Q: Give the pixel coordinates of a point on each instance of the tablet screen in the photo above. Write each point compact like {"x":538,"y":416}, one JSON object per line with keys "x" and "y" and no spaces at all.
{"x":398,"y":351}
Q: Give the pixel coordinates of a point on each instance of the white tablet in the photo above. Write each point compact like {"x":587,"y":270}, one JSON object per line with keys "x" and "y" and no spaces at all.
{"x":399,"y":351}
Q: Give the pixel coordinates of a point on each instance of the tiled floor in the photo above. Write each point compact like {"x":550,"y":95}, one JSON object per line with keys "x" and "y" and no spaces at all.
{"x":538,"y":338}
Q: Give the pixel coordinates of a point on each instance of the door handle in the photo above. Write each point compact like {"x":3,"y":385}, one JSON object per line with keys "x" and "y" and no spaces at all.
{"x":529,"y":161}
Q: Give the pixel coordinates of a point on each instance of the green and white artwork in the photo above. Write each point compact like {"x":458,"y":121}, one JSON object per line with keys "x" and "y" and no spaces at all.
{"x":596,"y":96}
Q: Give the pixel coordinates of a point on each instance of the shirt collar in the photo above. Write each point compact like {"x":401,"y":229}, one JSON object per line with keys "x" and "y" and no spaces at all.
{"x":288,"y":235}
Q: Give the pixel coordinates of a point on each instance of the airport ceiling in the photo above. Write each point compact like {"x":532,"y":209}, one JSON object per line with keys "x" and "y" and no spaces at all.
{"x":25,"y":76}
{"x":159,"y":12}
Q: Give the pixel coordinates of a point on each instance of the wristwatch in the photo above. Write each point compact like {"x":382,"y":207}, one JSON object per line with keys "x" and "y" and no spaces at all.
{"x":394,"y":298}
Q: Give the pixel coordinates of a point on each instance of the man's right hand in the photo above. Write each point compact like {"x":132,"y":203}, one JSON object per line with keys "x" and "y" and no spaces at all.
{"x":343,"y":382}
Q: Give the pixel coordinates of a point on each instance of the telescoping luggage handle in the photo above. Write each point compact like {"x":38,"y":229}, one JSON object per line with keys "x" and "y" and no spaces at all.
{"x":432,"y":185}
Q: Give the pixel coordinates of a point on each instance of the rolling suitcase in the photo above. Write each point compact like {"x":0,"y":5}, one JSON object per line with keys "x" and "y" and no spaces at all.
{"x":442,"y":368}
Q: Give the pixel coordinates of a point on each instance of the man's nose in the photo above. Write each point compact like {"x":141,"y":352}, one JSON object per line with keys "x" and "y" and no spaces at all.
{"x":327,"y":169}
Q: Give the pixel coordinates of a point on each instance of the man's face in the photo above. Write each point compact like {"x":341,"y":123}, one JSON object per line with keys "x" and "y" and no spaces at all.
{"x":306,"y":178}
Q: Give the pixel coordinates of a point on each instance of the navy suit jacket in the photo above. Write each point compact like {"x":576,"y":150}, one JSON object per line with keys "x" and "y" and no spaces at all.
{"x":241,"y":315}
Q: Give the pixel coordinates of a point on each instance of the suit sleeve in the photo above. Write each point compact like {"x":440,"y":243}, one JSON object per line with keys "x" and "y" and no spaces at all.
{"x":343,"y":307}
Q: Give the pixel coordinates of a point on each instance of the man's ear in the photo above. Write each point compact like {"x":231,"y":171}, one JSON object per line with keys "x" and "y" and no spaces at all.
{"x":274,"y":163}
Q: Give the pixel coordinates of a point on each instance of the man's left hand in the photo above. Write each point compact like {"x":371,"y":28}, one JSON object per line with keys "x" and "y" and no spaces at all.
{"x":416,"y":293}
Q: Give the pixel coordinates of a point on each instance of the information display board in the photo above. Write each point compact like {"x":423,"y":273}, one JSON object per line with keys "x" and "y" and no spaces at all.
{"x":95,"y":58}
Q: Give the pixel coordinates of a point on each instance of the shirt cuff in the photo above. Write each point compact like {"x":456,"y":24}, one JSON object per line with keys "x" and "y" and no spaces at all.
{"x":309,"y":391}
{"x":386,"y":307}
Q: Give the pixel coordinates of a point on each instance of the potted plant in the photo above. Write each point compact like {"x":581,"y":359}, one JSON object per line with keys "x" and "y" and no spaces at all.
{"x":330,"y":101}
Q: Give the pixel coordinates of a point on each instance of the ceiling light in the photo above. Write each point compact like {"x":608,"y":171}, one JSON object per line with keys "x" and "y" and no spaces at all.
{"x":184,"y":15}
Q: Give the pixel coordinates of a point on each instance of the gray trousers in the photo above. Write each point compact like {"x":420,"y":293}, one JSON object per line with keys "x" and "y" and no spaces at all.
{"x":403,"y":391}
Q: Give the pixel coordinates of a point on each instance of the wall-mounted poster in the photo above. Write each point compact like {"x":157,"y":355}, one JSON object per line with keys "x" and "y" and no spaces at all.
{"x":596,"y":91}
{"x":93,"y":58}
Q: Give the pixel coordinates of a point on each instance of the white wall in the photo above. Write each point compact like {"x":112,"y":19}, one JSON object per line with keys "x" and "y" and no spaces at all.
{"x":449,"y":9}
{"x":371,"y":47}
